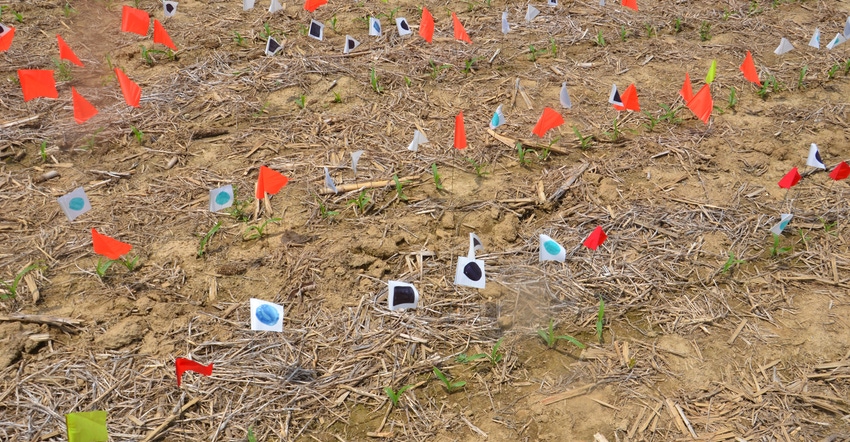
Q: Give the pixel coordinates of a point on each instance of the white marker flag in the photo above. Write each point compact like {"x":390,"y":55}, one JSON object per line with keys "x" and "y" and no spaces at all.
{"x":75,"y":203}
{"x":552,"y":3}
{"x":474,"y":244}
{"x":835,"y":41}
{"x":470,"y":272}
{"x":531,"y":13}
{"x":169,"y":9}
{"x":317,"y":30}
{"x":815,"y":41}
{"x":374,"y":27}
{"x":272,"y":46}
{"x":565,"y":97}
{"x":401,"y":295}
{"x":498,"y":118}
{"x":505,"y":26}
{"x":784,"y":46}
{"x":329,"y":182}
{"x":418,"y":138}
{"x":266,"y":316}
{"x":814,"y":159}
{"x":350,"y":44}
{"x":550,"y":250}
{"x":247,"y":5}
{"x":221,"y":198}
{"x":847,"y":28}
{"x":355,"y":157}
{"x":784,"y":219}
{"x":403,"y":27}
{"x":275,"y":6}
{"x":614,"y":98}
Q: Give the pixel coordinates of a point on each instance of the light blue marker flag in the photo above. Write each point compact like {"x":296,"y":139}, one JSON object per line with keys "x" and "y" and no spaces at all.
{"x":75,"y":203}
{"x":498,"y":118}
{"x":550,"y":250}
{"x":784,"y":219}
{"x":221,"y":198}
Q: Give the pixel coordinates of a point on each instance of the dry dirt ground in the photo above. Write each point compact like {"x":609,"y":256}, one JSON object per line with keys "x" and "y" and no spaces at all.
{"x":694,"y":345}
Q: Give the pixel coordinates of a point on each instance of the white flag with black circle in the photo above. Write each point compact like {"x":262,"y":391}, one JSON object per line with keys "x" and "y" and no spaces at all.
{"x":550,"y":250}
{"x":552,"y":3}
{"x":266,"y":316}
{"x":403,"y":27}
{"x":169,"y":9}
{"x":401,"y":295}
{"x":317,"y":30}
{"x":614,"y":98}
{"x":475,"y":244}
{"x":470,"y":272}
{"x":272,"y":46}
{"x":814,"y":159}
{"x":350,"y":44}
{"x":221,"y":198}
{"x":75,"y":203}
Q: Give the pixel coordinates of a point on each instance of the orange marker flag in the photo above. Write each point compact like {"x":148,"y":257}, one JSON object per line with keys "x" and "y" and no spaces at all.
{"x":748,"y":67}
{"x":135,"y":20}
{"x":596,"y":238}
{"x":6,"y":38}
{"x":426,"y":27}
{"x":687,"y":92}
{"x":161,"y":37}
{"x":132,"y":92}
{"x":182,"y":365}
{"x":702,"y":104}
{"x":65,"y":52}
{"x":108,"y":246}
{"x":629,"y":98}
{"x":460,"y":33}
{"x":269,"y":181}
{"x":37,"y":83}
{"x":83,"y":110}
{"x":460,"y":132}
{"x":632,"y":4}
{"x":548,"y":120}
{"x":790,"y":179}
{"x":840,"y":172}
{"x":311,"y":5}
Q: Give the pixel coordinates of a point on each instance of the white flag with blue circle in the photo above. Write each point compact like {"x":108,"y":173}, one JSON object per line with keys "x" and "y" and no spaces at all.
{"x":221,"y":198}
{"x":266,"y":316}
{"x":550,"y":250}
{"x":75,"y":203}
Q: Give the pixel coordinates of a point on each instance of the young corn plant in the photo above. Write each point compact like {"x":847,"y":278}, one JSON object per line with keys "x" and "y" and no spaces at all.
{"x":480,"y":168}
{"x":600,"y":39}
{"x":373,"y":80}
{"x":438,"y":180}
{"x":325,"y":212}
{"x":584,"y":142}
{"x":600,"y":319}
{"x":495,"y":356}
{"x":731,"y":262}
{"x":10,"y":289}
{"x":399,"y":189}
{"x":102,"y":267}
{"x":130,"y":264}
{"x":361,"y":202}
{"x":202,"y":248}
{"x":551,"y":339}
{"x":776,"y":249}
{"x":450,"y":384}
{"x":396,"y":395}
{"x":256,"y":232}
{"x":522,"y":153}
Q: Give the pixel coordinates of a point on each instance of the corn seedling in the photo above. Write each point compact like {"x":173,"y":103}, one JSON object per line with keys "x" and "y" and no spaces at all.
{"x":733,"y":98}
{"x":705,"y":31}
{"x":68,"y":10}
{"x":266,"y":32}
{"x":831,"y":72}
{"x":137,"y":134}
{"x":532,"y":53}
{"x":436,"y":69}
{"x":146,"y":55}
{"x":337,"y":97}
{"x":11,"y":288}
{"x":301,"y":101}
{"x":131,"y":264}
{"x":251,"y":437}
{"x":494,"y":356}
{"x":551,"y":339}
{"x":754,"y":8}
{"x":438,"y":180}
{"x":333,"y":23}
{"x":677,"y":25}
{"x":361,"y":202}
{"x":521,"y":153}
{"x":828,"y":227}
{"x":398,"y":189}
{"x":238,"y":38}
{"x":802,"y":77}
{"x":63,"y":70}
{"x":650,"y":30}
{"x":102,"y":267}
{"x":600,"y":319}
{"x":450,"y":384}
{"x":600,"y":39}
{"x":731,"y":262}
{"x":42,"y":150}
{"x":553,"y":48}
{"x":480,"y":168}
{"x":373,"y":80}
{"x":258,"y":230}
{"x":396,"y":395}
{"x":18,"y":16}
{"x":776,"y":249}
{"x":469,"y":65}
{"x":407,"y":81}
{"x":323,"y":210}
{"x":584,"y":142}
{"x":202,"y":248}
{"x":622,"y":33}
{"x":614,"y":135}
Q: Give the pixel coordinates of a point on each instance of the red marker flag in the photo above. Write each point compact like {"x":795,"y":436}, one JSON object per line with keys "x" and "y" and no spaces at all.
{"x":790,"y":179}
{"x":6,"y":39}
{"x":629,"y":98}
{"x":748,"y":68}
{"x":135,"y":20}
{"x":184,"y":365}
{"x":269,"y":181}
{"x":702,"y":104}
{"x":65,"y":52}
{"x":548,"y":120}
{"x":37,"y":83}
{"x":632,"y":4}
{"x":460,"y":32}
{"x":687,"y":92}
{"x":108,"y":246}
{"x":161,"y":37}
{"x":460,"y":132}
{"x":840,"y":172}
{"x":426,"y":27}
{"x":595,"y":239}
{"x":132,"y":92}
{"x":311,"y":5}
{"x":83,"y":110}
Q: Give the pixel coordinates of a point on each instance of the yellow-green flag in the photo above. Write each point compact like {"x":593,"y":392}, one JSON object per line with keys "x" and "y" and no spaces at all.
{"x":89,"y":426}
{"x":712,"y":71}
